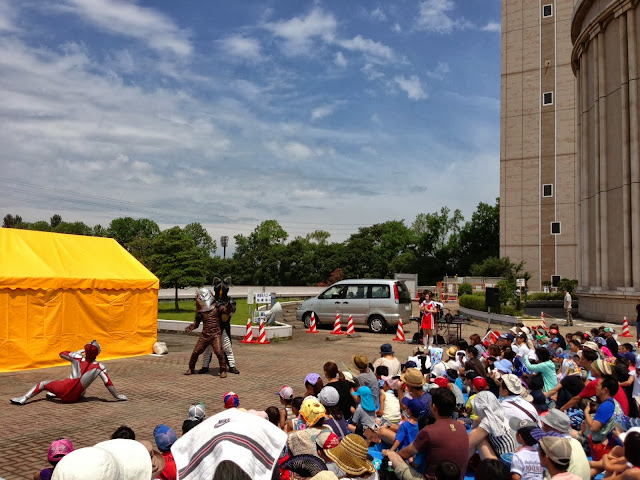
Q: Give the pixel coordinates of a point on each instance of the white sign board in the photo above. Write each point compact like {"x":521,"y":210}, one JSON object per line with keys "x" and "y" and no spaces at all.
{"x":250,"y":297}
{"x":263,"y":298}
{"x":520,"y":282}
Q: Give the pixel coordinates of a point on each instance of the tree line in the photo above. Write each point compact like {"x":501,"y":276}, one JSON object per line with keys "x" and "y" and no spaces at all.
{"x":434,"y":245}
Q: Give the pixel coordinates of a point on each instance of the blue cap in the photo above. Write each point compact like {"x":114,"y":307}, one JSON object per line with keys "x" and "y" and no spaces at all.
{"x":415,"y":406}
{"x":504,"y":366}
{"x":410,"y":364}
{"x":165,"y":437}
{"x":366,"y":398}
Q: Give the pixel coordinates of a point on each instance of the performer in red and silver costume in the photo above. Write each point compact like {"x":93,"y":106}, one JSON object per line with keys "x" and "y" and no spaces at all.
{"x":209,"y":313}
{"x":84,"y":370}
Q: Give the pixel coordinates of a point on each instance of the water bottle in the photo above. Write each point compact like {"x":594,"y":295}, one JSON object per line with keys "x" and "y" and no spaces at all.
{"x":389,"y":466}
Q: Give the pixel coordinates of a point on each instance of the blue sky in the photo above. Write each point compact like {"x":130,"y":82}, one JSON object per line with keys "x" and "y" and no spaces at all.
{"x":322,"y":115}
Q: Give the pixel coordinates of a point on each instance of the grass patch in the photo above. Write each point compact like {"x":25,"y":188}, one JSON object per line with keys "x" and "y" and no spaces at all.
{"x":187,"y":311}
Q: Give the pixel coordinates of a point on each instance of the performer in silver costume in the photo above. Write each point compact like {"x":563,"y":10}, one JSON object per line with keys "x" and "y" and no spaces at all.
{"x":84,"y":370}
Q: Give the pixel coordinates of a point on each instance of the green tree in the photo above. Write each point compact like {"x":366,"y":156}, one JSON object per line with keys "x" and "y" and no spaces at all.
{"x":11,"y":221}
{"x":99,"y":231}
{"x":55,"y":220}
{"x":201,"y":237}
{"x":479,"y":238}
{"x":73,"y":228}
{"x":126,"y":229}
{"x":436,"y":243}
{"x":567,"y":284}
{"x":318,"y":236}
{"x":257,"y":256}
{"x":376,"y":251}
{"x":465,"y":289}
{"x":177,"y":261}
{"x":39,"y":226}
{"x":500,"y":267}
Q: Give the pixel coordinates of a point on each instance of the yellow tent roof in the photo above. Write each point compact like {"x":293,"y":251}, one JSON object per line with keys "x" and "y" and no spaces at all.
{"x":44,"y":260}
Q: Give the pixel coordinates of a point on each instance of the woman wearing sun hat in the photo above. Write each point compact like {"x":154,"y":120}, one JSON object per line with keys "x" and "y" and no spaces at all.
{"x":388,"y":359}
{"x":351,"y":455}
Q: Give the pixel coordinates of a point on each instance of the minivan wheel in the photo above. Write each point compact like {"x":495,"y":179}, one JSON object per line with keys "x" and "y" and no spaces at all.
{"x":306,"y":319}
{"x":377,"y":324}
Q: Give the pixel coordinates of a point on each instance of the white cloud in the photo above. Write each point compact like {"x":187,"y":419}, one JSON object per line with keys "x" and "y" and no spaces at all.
{"x":323,"y":111}
{"x":411,"y":86}
{"x":434,"y":16}
{"x":158,"y":31}
{"x":371,"y":72}
{"x":375,"y":118}
{"x":339,"y":60}
{"x":492,"y":27}
{"x":367,"y":46}
{"x":396,"y":28}
{"x":378,"y":14}
{"x":243,"y":47}
{"x":6,"y":18}
{"x":439,"y":72}
{"x":298,"y":32}
{"x":291,"y":151}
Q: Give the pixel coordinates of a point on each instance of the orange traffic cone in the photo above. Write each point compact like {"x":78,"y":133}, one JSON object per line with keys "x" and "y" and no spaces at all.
{"x":248,"y":337}
{"x":337,"y":328}
{"x":625,"y":329}
{"x":544,"y":324}
{"x":262,"y":334}
{"x":350,"y":328}
{"x":312,"y":324}
{"x":399,"y":333}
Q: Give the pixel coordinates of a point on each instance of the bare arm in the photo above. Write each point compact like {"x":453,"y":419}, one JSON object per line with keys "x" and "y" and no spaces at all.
{"x":381,"y":409}
{"x":571,"y":403}
{"x":553,"y":391}
{"x":594,"y":425}
{"x":112,"y":389}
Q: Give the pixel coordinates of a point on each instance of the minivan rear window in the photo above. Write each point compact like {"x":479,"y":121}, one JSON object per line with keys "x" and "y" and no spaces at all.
{"x":380,"y":291}
{"x":403,"y":293}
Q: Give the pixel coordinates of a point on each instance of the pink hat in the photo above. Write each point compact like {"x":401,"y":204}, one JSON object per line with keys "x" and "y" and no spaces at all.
{"x":286,"y":393}
{"x":59,"y":449}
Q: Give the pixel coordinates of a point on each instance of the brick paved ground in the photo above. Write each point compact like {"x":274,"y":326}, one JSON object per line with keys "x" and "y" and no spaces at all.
{"x":159,"y":392}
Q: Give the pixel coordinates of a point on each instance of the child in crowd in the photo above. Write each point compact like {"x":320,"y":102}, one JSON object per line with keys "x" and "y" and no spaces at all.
{"x":273,"y":414}
{"x":408,"y":429}
{"x":57,"y":450}
{"x":313,"y":383}
{"x":525,"y":464}
{"x":286,"y":412}
{"x":447,"y":471}
{"x":297,"y":423}
{"x":365,"y":414}
{"x":231,"y":400}
{"x":123,"y":432}
{"x":165,"y":437}
{"x":389,"y":404}
{"x":382,"y":371}
{"x":196,"y":415}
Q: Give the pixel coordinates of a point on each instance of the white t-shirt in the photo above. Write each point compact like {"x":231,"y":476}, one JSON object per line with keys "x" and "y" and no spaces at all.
{"x":526,"y":463}
{"x":511,"y":410}
{"x":636,"y":383}
{"x":523,"y":350}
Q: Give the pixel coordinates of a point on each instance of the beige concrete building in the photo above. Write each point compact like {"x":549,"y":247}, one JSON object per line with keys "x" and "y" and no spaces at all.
{"x":538,"y":170}
{"x":606,"y":43}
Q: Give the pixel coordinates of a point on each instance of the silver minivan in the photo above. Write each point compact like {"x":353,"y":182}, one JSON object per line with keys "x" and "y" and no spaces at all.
{"x":379,"y":304}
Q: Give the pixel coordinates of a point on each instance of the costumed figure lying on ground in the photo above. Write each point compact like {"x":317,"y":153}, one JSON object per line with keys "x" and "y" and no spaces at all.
{"x":84,"y":370}
{"x":221,"y":296}
{"x":209,"y":313}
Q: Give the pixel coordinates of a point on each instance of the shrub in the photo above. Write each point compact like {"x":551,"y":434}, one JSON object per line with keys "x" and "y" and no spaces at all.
{"x":510,"y":310}
{"x":474,"y":302}
{"x":567,"y":284}
{"x":545,"y":296}
{"x":464,"y":289}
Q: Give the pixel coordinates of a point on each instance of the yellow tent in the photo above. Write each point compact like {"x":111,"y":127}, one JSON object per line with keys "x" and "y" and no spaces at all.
{"x":58,"y":292}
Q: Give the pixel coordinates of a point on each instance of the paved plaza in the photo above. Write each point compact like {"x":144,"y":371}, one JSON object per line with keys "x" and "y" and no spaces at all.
{"x":159,"y":392}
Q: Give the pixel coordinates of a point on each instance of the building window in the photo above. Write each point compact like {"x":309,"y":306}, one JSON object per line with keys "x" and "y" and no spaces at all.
{"x":547,"y":190}
{"x":555,"y":280}
{"x":547,"y":11}
{"x":547,"y":98}
{"x":555,"y":228}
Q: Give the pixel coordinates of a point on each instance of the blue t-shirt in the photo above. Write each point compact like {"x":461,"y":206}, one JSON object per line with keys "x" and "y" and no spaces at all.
{"x":605,"y":411}
{"x":406,"y":434}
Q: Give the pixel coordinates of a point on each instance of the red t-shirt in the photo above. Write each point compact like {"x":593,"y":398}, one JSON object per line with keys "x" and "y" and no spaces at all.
{"x":169,"y":472}
{"x":590,"y":391}
{"x":445,"y":440}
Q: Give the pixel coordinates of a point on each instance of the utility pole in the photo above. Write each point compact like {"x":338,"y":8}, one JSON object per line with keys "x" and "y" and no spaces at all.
{"x":224,"y":241}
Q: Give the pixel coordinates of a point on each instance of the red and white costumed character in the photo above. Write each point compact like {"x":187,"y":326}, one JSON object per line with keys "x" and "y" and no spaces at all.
{"x":84,"y":370}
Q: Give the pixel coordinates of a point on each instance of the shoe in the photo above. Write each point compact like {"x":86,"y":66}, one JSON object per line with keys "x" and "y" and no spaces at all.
{"x":234,"y":370}
{"x":223,"y":374}
{"x":51,"y":395}
{"x":18,"y":400}
{"x":203,"y":370}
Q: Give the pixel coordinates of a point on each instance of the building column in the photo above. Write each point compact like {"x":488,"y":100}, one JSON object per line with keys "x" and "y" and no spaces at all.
{"x":596,"y":160}
{"x":585,"y":225}
{"x":602,"y":131}
{"x":634,"y":150}
{"x":626,"y":166}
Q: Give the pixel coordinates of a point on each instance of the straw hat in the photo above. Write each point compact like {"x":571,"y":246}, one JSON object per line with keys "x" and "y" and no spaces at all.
{"x":352,"y":455}
{"x":451,"y":351}
{"x":413,"y":377}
